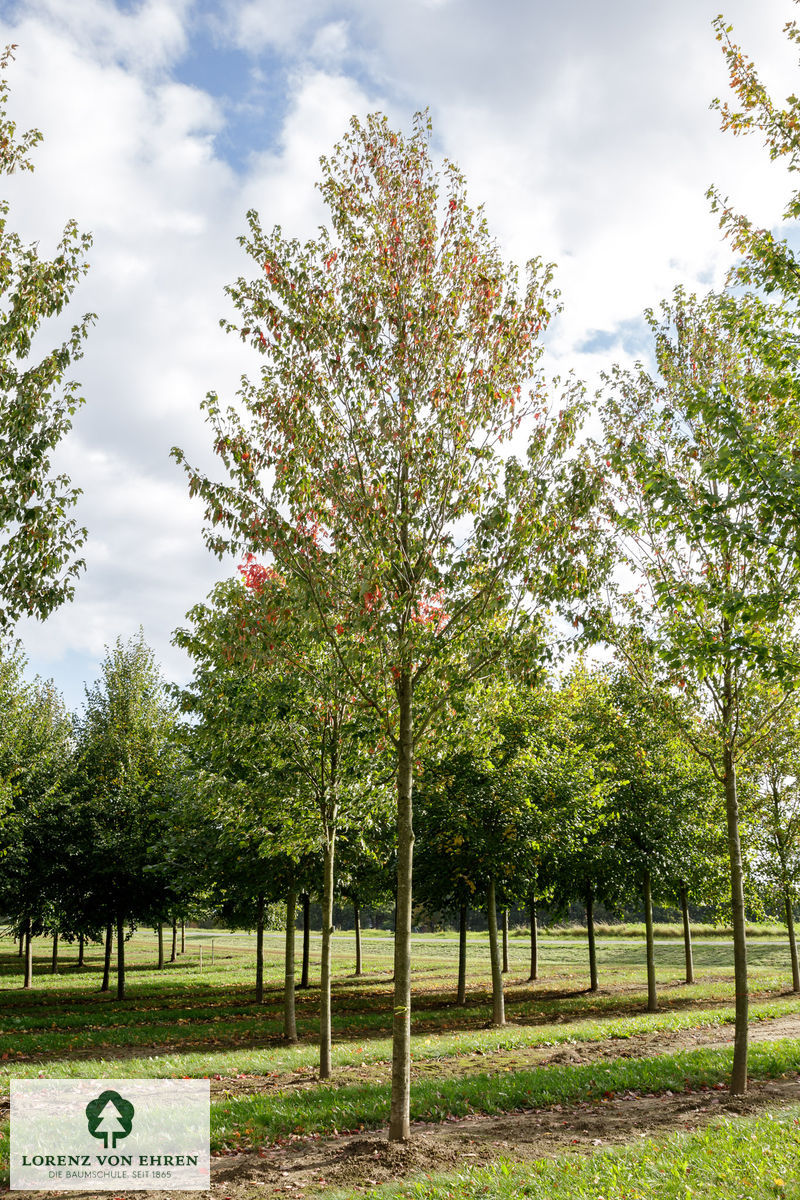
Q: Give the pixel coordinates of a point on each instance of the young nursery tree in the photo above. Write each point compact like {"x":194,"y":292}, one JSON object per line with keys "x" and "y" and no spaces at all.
{"x":124,"y":762}
{"x":775,"y":768}
{"x":38,"y":540}
{"x":399,"y":356}
{"x":320,"y":744}
{"x":716,"y":586}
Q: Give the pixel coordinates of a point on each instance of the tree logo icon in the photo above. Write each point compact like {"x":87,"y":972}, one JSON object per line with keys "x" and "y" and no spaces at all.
{"x":110,"y":1116}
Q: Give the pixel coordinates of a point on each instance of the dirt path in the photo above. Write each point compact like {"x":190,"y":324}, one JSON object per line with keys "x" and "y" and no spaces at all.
{"x":359,"y":1161}
{"x":305,"y":1165}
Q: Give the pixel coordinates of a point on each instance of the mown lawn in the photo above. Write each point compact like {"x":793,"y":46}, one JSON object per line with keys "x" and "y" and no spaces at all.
{"x":198,"y":1017}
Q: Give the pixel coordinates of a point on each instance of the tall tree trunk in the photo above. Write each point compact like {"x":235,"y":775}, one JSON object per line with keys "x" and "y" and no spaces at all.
{"x":21,"y":950}
{"x":260,"y":949}
{"x":461,"y":997}
{"x":81,"y":949}
{"x":357,"y":928}
{"x":306,"y":939}
{"x":289,"y":1021}
{"x":787,"y":900}
{"x":505,"y":941}
{"x":28,"y":972}
{"x":739,"y":1072}
{"x":160,"y":930}
{"x":534,"y":941}
{"x":652,"y":997}
{"x":120,"y":957}
{"x":183,"y":937}
{"x":400,"y":1111}
{"x":54,"y":960}
{"x":498,"y":1000}
{"x":107,"y":958}
{"x":687,"y":935}
{"x":174,"y":951}
{"x":325,"y":957}
{"x":592,"y":947}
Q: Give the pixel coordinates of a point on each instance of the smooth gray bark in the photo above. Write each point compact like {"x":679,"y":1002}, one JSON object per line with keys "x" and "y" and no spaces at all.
{"x":28,"y":959}
{"x":325,"y":958}
{"x":787,"y":900}
{"x":400,"y":1110}
{"x":505,"y":941}
{"x":289,"y":1020}
{"x":740,"y":1039}
{"x":652,"y":997}
{"x":592,"y":946}
{"x":461,"y":997}
{"x":534,"y":942}
{"x":120,"y":958}
{"x":306,"y":939}
{"x":260,"y":950}
{"x":687,"y":936}
{"x":498,"y":1000}
{"x":357,"y":928}
{"x":106,"y":984}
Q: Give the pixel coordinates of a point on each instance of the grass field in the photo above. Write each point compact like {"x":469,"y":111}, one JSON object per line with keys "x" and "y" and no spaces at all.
{"x":197,"y":1016}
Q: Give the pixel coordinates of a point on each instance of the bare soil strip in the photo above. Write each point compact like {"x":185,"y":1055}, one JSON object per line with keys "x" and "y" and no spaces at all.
{"x":306,"y":1165}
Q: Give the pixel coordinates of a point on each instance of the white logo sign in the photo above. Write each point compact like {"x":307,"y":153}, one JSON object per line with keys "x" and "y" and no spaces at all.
{"x":110,"y":1134}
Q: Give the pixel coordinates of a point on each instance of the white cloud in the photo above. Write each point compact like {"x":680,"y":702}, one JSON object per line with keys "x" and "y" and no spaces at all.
{"x":584,"y":127}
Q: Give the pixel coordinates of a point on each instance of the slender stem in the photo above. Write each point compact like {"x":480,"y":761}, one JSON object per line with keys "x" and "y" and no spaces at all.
{"x":400,"y":1111}
{"x":325,"y":958}
{"x":260,"y":949}
{"x":28,"y":965}
{"x":498,"y":1000}
{"x":357,"y":928}
{"x":461,"y":997}
{"x":740,"y":1040}
{"x":120,"y":957}
{"x":306,"y":939}
{"x":787,"y":900}
{"x":106,"y":985}
{"x":687,"y":935}
{"x":534,"y":942}
{"x":652,"y":997}
{"x":505,"y":941}
{"x":289,"y":1022}
{"x":592,"y":946}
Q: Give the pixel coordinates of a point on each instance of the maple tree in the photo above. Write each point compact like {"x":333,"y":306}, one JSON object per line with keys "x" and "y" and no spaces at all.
{"x":121,"y":788}
{"x":398,"y":357}
{"x":38,"y":539}
{"x":775,"y":771}
{"x":711,"y":605}
{"x":291,"y":718}
{"x":35,"y":762}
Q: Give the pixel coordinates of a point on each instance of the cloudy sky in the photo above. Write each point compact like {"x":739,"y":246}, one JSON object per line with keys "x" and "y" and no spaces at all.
{"x":584,"y":127}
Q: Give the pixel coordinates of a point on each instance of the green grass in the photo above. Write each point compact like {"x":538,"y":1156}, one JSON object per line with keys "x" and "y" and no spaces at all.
{"x":194,"y":1019}
{"x":281,"y":1059}
{"x":255,"y":1120}
{"x":756,"y":1159}
{"x":661,"y":929}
